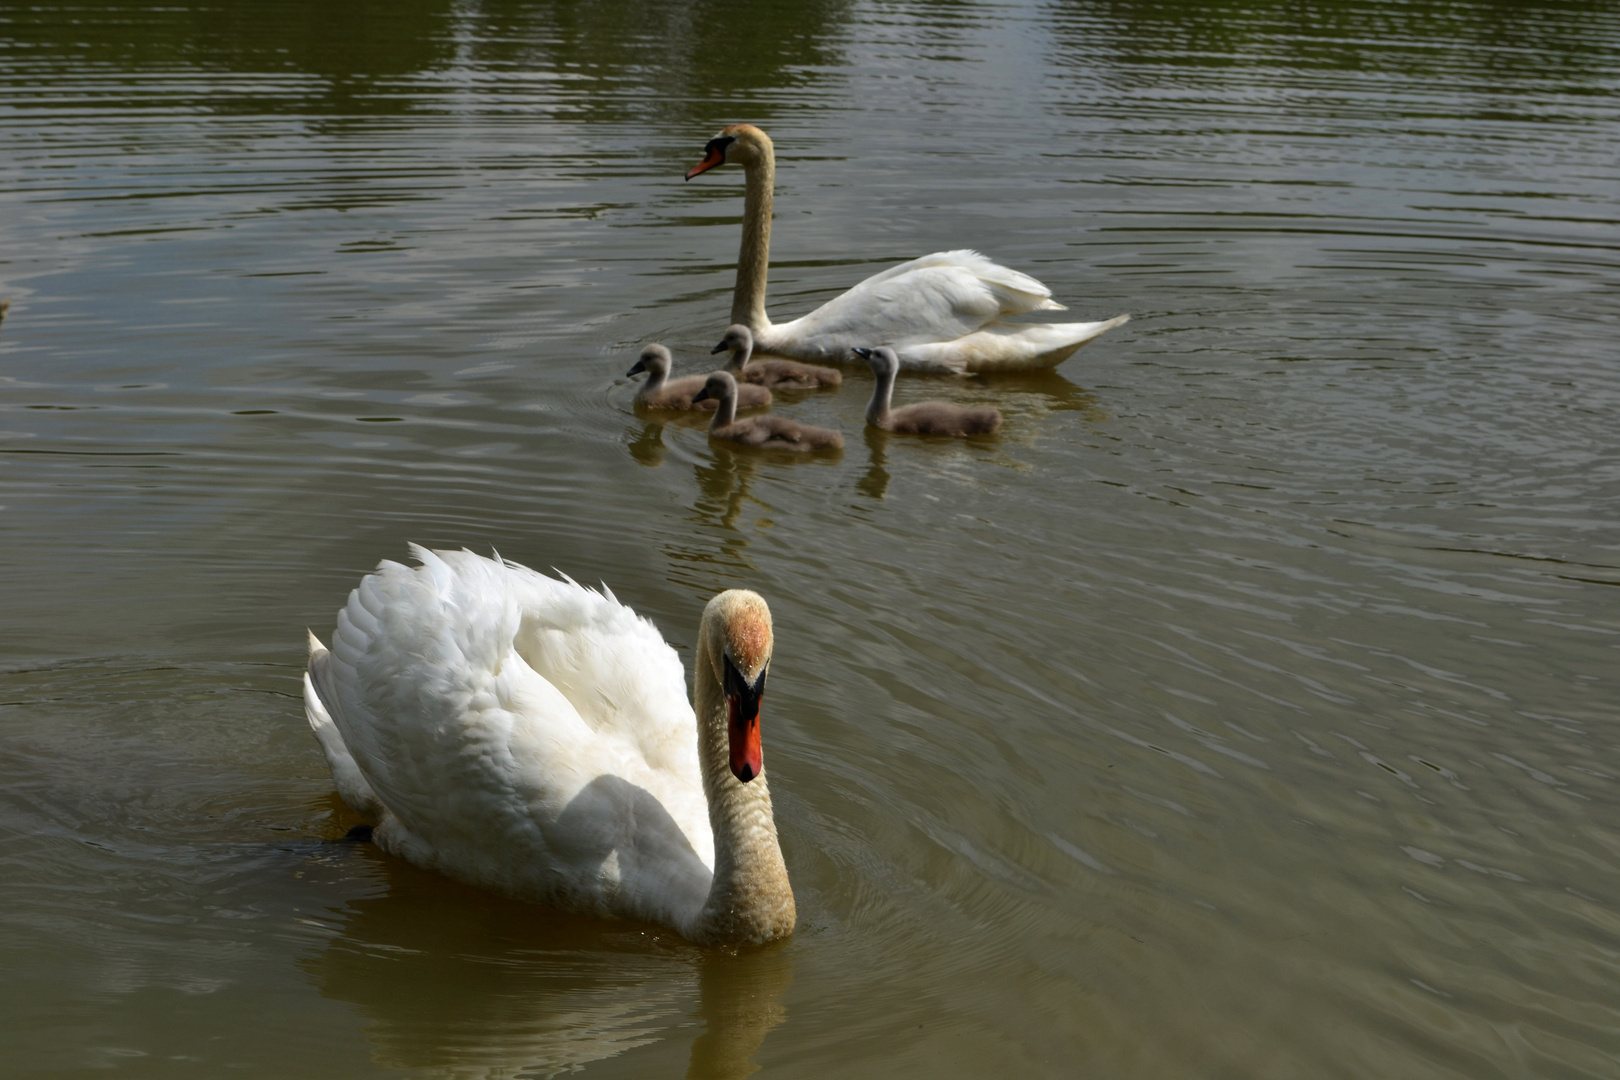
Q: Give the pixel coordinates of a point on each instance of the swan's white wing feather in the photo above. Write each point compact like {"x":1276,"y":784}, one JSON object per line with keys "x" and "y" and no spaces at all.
{"x":346,"y":775}
{"x":933,"y":300}
{"x":1007,"y":346}
{"x":925,"y":299}
{"x":491,"y":771}
{"x":1014,"y":292}
{"x":612,"y":665}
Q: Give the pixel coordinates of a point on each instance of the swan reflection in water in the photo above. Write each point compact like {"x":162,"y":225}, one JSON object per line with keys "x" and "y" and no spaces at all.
{"x":458,"y":983}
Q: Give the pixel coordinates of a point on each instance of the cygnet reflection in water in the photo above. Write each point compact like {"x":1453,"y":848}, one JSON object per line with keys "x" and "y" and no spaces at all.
{"x":453,"y":981}
{"x":648,"y":447}
{"x":775,"y":374}
{"x":762,"y":432}
{"x":925,"y":417}
{"x":721,"y":515}
{"x":662,"y":392}
{"x":874,"y":483}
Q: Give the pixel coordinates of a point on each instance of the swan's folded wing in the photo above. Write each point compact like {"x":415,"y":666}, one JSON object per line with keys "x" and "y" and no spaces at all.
{"x":629,"y":691}
{"x":937,"y":298}
{"x":612,"y":664}
{"x":489,"y":769}
{"x":413,"y":684}
{"x":1015,"y":292}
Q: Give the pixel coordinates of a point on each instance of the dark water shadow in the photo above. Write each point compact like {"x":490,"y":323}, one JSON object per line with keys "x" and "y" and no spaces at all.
{"x":451,"y":980}
{"x":633,"y":60}
{"x":456,"y":981}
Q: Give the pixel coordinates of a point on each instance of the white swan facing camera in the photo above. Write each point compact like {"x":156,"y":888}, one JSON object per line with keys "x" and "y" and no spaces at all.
{"x":531,"y":736}
{"x":943,"y":312}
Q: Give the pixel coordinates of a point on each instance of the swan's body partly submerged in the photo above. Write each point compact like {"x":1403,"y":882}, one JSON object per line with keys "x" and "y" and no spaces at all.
{"x":942,"y":312}
{"x":925,"y":417}
{"x":762,"y":432}
{"x":772,"y":374}
{"x":662,"y":392}
{"x":532,"y":737}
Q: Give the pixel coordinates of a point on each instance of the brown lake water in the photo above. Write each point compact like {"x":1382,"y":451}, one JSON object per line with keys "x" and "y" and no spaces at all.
{"x":1246,"y":708}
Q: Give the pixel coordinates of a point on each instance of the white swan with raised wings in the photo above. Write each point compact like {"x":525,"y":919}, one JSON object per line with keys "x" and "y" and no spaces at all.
{"x":943,"y":312}
{"x":532,"y":737}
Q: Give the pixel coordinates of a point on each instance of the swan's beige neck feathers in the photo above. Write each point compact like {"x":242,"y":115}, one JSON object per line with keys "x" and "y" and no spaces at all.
{"x":750,"y":899}
{"x":754,"y":152}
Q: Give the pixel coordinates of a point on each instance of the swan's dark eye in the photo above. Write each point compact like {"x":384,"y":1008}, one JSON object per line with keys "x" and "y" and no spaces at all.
{"x":737,"y":686}
{"x":719,"y":145}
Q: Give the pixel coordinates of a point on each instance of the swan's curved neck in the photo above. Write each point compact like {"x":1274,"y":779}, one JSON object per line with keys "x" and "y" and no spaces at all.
{"x":754,"y":258}
{"x":877,"y":410}
{"x":726,"y":413}
{"x":739,"y":360}
{"x":750,"y":899}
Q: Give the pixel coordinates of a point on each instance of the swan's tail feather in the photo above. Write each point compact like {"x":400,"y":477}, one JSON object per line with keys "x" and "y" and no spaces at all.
{"x":346,"y":775}
{"x":1006,"y":347}
{"x":1068,"y":339}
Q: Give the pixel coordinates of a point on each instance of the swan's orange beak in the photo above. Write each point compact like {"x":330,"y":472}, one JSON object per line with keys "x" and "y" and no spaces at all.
{"x":714,"y":156}
{"x":747,"y":758}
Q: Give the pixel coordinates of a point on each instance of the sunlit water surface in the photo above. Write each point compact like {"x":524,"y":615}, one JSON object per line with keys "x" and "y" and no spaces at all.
{"x":1246,"y":708}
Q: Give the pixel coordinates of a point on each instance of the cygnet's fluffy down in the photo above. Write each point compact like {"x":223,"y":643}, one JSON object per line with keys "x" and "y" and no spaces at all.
{"x":662,"y":392}
{"x":768,"y":432}
{"x":925,"y":417}
{"x":775,"y":374}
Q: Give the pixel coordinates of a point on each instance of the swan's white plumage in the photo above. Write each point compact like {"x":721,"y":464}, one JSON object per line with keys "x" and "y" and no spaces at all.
{"x":942,"y":296}
{"x":940,"y":312}
{"x":351,"y":782}
{"x":522,"y":733}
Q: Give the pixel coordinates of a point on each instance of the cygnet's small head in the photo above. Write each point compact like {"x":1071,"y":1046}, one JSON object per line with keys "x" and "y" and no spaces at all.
{"x":882,"y":359}
{"x":738,"y":144}
{"x":654,"y":359}
{"x":717,"y":387}
{"x":738,"y":339}
{"x":742,"y":623}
